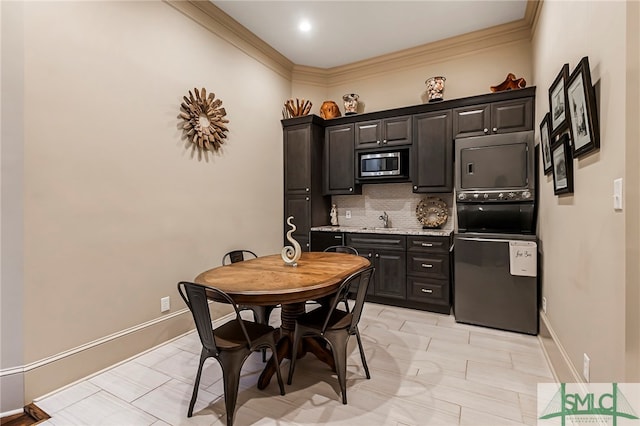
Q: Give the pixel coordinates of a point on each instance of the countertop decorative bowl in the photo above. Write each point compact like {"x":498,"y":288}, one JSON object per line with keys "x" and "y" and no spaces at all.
{"x":432,"y":212}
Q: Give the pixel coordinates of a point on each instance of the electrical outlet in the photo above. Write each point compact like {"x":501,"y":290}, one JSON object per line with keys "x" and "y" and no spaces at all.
{"x":585,"y":366}
{"x":165,"y":304}
{"x":544,"y":304}
{"x":348,"y":214}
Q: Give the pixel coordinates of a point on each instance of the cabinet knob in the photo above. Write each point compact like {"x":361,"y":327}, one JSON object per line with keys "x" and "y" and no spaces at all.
{"x":426,"y":290}
{"x":306,"y":189}
{"x":369,"y":254}
{"x":306,"y":198}
{"x":307,"y":244}
{"x":350,"y":189}
{"x":377,"y":255}
{"x":486,"y":130}
{"x":378,"y":142}
{"x":427,"y":265}
{"x":384,"y":141}
{"x":495,"y":129}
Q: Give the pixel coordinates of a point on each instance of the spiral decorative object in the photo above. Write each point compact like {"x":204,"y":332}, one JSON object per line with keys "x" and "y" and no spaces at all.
{"x":290,"y":254}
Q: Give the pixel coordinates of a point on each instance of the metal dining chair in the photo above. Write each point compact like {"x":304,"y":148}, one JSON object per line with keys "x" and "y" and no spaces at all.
{"x":335,"y":326}
{"x":261,"y":314}
{"x":230,"y":344}
{"x":337,"y":249}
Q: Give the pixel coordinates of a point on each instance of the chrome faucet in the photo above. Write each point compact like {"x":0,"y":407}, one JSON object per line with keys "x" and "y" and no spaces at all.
{"x":384,"y":217}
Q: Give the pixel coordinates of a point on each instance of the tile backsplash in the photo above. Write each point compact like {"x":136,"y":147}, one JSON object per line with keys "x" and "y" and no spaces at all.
{"x":397,"y":199}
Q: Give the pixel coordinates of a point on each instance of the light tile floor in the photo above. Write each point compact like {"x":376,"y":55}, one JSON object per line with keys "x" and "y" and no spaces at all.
{"x":426,"y":370}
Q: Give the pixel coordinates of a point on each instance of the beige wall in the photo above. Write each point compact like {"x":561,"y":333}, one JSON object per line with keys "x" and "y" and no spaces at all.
{"x":467,"y":74}
{"x":583,"y":238}
{"x":117,"y":209}
{"x":632,"y":199}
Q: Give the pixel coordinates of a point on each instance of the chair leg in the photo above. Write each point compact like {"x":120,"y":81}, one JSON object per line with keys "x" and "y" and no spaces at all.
{"x":277,"y":361}
{"x":196,"y":384}
{"x":261,"y":315}
{"x":362,"y":357}
{"x":231,"y":363}
{"x":294,"y":353}
{"x":338,"y":342}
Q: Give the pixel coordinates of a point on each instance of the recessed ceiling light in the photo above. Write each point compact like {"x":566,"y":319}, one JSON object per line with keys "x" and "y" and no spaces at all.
{"x":305,"y":26}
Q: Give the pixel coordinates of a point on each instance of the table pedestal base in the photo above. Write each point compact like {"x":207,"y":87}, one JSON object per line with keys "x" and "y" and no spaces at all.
{"x":284,"y":347}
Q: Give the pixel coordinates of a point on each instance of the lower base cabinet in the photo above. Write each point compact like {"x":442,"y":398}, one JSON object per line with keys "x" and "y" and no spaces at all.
{"x":411,"y":271}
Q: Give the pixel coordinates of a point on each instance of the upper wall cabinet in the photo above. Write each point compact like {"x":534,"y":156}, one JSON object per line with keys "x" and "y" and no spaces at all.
{"x":498,"y":117}
{"x":339,"y":163}
{"x":432,"y":168}
{"x":381,"y":133}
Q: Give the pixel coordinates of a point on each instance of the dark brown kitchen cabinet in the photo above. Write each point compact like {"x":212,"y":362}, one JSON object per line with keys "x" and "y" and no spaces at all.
{"x":498,"y":117}
{"x":428,"y":272}
{"x":339,"y":165}
{"x":303,"y":198}
{"x":320,"y":240}
{"x":432,"y":169}
{"x":387,"y":253}
{"x":382,"y":133}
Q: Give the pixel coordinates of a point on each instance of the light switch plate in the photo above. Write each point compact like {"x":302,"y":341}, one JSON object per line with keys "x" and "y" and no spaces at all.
{"x":617,"y":194}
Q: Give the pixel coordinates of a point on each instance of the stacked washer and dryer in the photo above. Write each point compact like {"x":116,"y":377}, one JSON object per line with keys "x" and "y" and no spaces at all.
{"x":495,"y":256}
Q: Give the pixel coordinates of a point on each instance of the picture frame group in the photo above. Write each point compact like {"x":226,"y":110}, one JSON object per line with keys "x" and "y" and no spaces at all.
{"x":571,"y":127}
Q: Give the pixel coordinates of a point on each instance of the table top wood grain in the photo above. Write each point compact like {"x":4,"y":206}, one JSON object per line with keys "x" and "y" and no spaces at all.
{"x":268,"y":280}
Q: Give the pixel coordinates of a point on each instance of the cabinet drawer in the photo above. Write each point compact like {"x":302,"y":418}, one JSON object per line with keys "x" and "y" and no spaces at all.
{"x":377,"y":241}
{"x":434,"y":265}
{"x":429,"y":244}
{"x":429,"y":291}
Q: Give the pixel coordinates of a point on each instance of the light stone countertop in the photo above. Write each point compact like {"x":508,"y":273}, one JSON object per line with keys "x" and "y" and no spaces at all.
{"x":379,"y":230}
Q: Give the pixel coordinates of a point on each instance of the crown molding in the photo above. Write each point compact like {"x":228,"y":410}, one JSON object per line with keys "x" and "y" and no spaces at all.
{"x":224,"y":26}
{"x":215,"y":20}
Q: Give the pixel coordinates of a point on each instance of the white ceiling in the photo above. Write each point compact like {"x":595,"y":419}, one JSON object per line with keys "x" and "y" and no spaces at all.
{"x":344,"y":32}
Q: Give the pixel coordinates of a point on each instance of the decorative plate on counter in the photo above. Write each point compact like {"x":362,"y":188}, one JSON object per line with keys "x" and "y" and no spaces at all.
{"x":432,"y":212}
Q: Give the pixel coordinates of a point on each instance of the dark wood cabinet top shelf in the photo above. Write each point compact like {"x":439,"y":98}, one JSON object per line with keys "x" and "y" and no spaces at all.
{"x":414,"y":109}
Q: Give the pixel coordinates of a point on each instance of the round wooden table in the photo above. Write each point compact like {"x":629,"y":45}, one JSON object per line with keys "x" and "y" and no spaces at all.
{"x":269,"y":281}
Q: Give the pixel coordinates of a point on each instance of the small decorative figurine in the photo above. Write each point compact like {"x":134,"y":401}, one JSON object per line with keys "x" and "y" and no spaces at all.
{"x":435,"y":88}
{"x":329,"y":109}
{"x":290,"y":254}
{"x":334,"y":215}
{"x":511,"y":82}
{"x":350,"y":103}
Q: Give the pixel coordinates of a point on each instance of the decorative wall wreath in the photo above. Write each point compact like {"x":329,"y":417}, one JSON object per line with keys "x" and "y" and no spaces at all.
{"x":204,"y":121}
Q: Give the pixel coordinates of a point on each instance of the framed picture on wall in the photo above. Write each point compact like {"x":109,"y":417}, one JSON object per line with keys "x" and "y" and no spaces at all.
{"x":559,"y":119}
{"x":582,"y":107}
{"x":562,"y":166}
{"x":545,"y":144}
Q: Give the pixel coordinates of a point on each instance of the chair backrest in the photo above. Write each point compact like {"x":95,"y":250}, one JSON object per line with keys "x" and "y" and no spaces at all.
{"x":342,"y":249}
{"x":362,"y":279}
{"x":236,"y":256}
{"x":195,"y":296}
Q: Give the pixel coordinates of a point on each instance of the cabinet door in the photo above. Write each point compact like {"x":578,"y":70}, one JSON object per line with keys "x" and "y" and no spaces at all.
{"x":396,"y":131}
{"x":339,"y":163}
{"x":433,"y":152}
{"x":512,"y":116}
{"x":297,"y":159}
{"x":471,"y":121}
{"x":298,"y":206}
{"x":390,"y":274}
{"x":368,"y":134}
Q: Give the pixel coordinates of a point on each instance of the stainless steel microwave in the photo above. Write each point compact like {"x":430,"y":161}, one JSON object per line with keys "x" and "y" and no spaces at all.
{"x":388,"y":164}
